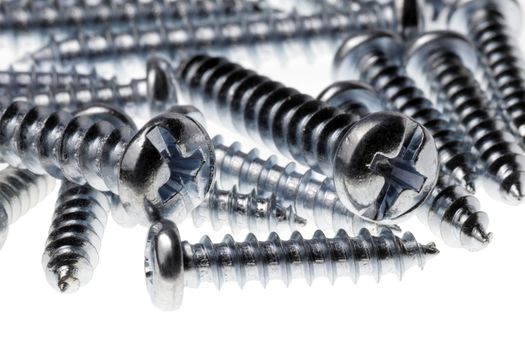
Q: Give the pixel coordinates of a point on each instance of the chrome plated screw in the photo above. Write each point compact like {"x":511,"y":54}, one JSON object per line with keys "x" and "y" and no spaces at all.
{"x":72,"y":247}
{"x":490,"y":24}
{"x":216,"y":34}
{"x":444,"y":59}
{"x":379,"y":178}
{"x":164,"y":169}
{"x":376,"y":58}
{"x":451,"y":212}
{"x":20,"y":190}
{"x":312,"y":195}
{"x":246,"y":213}
{"x":171,"y":265}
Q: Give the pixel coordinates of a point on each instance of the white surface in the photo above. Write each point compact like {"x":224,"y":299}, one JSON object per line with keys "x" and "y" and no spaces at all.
{"x":461,"y":299}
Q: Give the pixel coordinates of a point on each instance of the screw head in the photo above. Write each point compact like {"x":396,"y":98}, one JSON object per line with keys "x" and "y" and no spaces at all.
{"x":160,"y":82}
{"x":341,"y":93}
{"x":385,"y":167}
{"x":164,"y":266}
{"x":167,"y":169}
{"x":461,"y":11}
{"x":410,"y":19}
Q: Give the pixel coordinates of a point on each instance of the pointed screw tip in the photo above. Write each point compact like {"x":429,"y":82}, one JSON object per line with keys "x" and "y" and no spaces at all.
{"x":479,"y":239}
{"x":430,"y":250}
{"x":516,"y":192}
{"x":68,"y":284}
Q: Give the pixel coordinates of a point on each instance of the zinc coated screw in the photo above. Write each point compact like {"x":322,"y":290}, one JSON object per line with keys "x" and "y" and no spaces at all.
{"x":376,"y":58}
{"x":445,"y":61}
{"x":171,"y":265}
{"x":20,"y":190}
{"x":213,"y":34}
{"x":451,"y":212}
{"x":73,"y":244}
{"x":312,"y":195}
{"x":375,"y":177}
{"x":166,"y":168}
{"x":490,"y":24}
{"x":246,"y":212}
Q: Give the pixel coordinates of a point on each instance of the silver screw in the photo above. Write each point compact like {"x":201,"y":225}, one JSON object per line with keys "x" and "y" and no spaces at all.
{"x":443,"y":60}
{"x":451,"y":212}
{"x":376,"y":58}
{"x":166,"y":168}
{"x":312,"y":195}
{"x":171,"y":265}
{"x":20,"y":190}
{"x":378,"y":178}
{"x":73,"y":245}
{"x":215,"y":34}
{"x":246,"y":212}
{"x":491,"y":25}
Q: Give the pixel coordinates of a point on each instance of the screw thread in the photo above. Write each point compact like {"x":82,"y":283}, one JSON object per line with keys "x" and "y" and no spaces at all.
{"x":299,"y":126}
{"x":246,"y":212}
{"x":312,"y":196}
{"x":81,"y":150}
{"x":34,"y":15}
{"x":500,"y":156}
{"x":72,"y":247}
{"x":20,"y":190}
{"x":489,"y":30}
{"x":212,"y":34}
{"x":298,"y":258}
{"x":400,"y":93}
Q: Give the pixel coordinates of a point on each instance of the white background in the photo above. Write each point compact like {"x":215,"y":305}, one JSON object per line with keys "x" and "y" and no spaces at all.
{"x":461,"y":299}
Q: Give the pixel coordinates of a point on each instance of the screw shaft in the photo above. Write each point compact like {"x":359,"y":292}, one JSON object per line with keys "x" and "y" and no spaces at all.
{"x":72,"y":247}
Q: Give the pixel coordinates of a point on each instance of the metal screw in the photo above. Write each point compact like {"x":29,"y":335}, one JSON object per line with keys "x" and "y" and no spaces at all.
{"x":166,"y":168}
{"x":171,"y":265}
{"x":73,"y":245}
{"x":376,"y":58}
{"x":246,"y":212}
{"x":451,"y":212}
{"x":215,"y":34}
{"x":378,"y":178}
{"x":442,"y":59}
{"x":490,"y":25}
{"x":312,"y":195}
{"x":20,"y":190}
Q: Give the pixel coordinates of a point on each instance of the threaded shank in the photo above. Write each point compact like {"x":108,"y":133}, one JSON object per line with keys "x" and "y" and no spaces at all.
{"x":80,"y":150}
{"x":500,"y":156}
{"x":73,"y":245}
{"x":298,"y":258}
{"x":20,"y":190}
{"x":401,"y":94}
{"x":298,"y":125}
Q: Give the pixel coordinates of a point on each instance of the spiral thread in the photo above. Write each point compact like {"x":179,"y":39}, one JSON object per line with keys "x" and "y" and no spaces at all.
{"x":501,"y":158}
{"x":299,"y":258}
{"x":489,"y":30}
{"x":310,"y":195}
{"x":217,"y":33}
{"x":246,"y":212}
{"x":62,"y":145}
{"x":401,"y":93}
{"x":72,"y":247}
{"x":32,"y":15}
{"x":20,"y":190}
{"x":299,"y":126}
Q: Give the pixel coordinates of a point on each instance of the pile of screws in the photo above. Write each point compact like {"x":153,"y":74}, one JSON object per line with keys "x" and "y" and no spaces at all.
{"x":414,"y":120}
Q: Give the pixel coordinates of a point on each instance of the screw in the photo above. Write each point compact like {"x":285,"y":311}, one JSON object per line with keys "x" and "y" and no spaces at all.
{"x":490,"y":25}
{"x":376,"y":57}
{"x":442,"y":59}
{"x":20,"y":190}
{"x":215,"y":34}
{"x":164,"y":169}
{"x":246,"y":212}
{"x":33,"y":15}
{"x":73,"y":245}
{"x":451,"y":212}
{"x":375,"y":177}
{"x":309,"y":193}
{"x":171,"y":265}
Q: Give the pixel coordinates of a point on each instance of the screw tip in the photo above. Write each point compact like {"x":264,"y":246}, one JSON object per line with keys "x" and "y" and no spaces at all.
{"x":429,"y":250}
{"x":516,"y":192}
{"x":479,"y":238}
{"x":68,"y":284}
